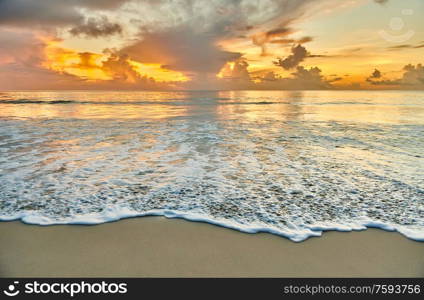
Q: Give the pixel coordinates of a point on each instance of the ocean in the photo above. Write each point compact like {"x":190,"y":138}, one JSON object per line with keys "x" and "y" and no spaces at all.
{"x":291,"y":163}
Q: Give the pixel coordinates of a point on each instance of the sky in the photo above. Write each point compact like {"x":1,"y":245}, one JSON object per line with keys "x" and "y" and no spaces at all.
{"x":211,"y":44}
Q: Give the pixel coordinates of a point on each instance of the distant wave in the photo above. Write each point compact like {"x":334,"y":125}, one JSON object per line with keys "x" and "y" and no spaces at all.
{"x":187,"y":102}
{"x":169,"y":102}
{"x":30,"y":101}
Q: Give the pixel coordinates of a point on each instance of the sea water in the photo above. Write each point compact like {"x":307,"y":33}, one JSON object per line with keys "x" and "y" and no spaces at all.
{"x":292,"y":163}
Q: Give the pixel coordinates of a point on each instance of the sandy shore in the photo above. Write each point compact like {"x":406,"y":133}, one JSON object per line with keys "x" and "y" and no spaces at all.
{"x":155,"y":246}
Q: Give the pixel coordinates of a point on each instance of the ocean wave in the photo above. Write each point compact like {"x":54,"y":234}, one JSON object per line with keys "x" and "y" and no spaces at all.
{"x":34,"y":101}
{"x":162,"y":102}
{"x":299,"y":234}
{"x":255,"y":169}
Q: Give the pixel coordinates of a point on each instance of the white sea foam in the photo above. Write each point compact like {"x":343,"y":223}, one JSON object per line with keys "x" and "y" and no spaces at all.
{"x":295,"y":170}
{"x":296,"y":234}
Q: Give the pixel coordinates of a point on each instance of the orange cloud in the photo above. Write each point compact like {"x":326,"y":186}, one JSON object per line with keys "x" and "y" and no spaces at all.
{"x":104,"y":67}
{"x":227,"y":70}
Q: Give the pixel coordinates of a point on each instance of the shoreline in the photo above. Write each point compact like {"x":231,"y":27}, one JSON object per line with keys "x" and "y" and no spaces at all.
{"x":116,"y":214}
{"x":162,"y":247}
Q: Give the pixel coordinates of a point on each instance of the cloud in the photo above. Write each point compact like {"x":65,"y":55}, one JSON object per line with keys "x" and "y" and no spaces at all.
{"x":412,"y":78}
{"x":319,"y":55}
{"x":269,"y":77}
{"x":120,"y":68}
{"x":186,"y":37}
{"x":375,"y":75}
{"x":335,"y":79}
{"x":181,"y":35}
{"x":42,"y":12}
{"x":20,"y":47}
{"x":302,"y":78}
{"x":234,"y":76}
{"x":237,"y":72}
{"x":205,"y":25}
{"x":311,"y":78}
{"x":115,"y":67}
{"x":299,"y":53}
{"x":49,"y":12}
{"x":239,"y":78}
{"x":407,"y":46}
{"x":181,"y":49}
{"x":28,"y":61}
{"x":108,"y":66}
{"x":96,"y":27}
{"x":281,"y":25}
{"x":262,"y":38}
{"x":303,"y":40}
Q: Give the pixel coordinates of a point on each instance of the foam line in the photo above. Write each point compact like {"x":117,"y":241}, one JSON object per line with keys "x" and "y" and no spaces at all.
{"x":298,"y":235}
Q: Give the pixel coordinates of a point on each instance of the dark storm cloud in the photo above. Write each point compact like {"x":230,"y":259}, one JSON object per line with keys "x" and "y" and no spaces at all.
{"x":43,"y":12}
{"x":49,"y":12}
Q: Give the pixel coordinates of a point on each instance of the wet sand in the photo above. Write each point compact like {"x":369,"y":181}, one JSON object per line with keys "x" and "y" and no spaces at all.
{"x":160,"y":247}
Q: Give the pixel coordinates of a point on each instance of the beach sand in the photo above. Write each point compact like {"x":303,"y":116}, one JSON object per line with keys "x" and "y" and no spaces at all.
{"x":160,"y":247}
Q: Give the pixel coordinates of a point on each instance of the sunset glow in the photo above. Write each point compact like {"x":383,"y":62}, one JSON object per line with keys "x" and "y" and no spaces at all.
{"x":284,"y":44}
{"x":96,"y":67}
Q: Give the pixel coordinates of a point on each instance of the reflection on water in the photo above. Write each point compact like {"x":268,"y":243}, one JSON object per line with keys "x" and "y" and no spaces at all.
{"x":341,"y":106}
{"x":292,"y":163}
